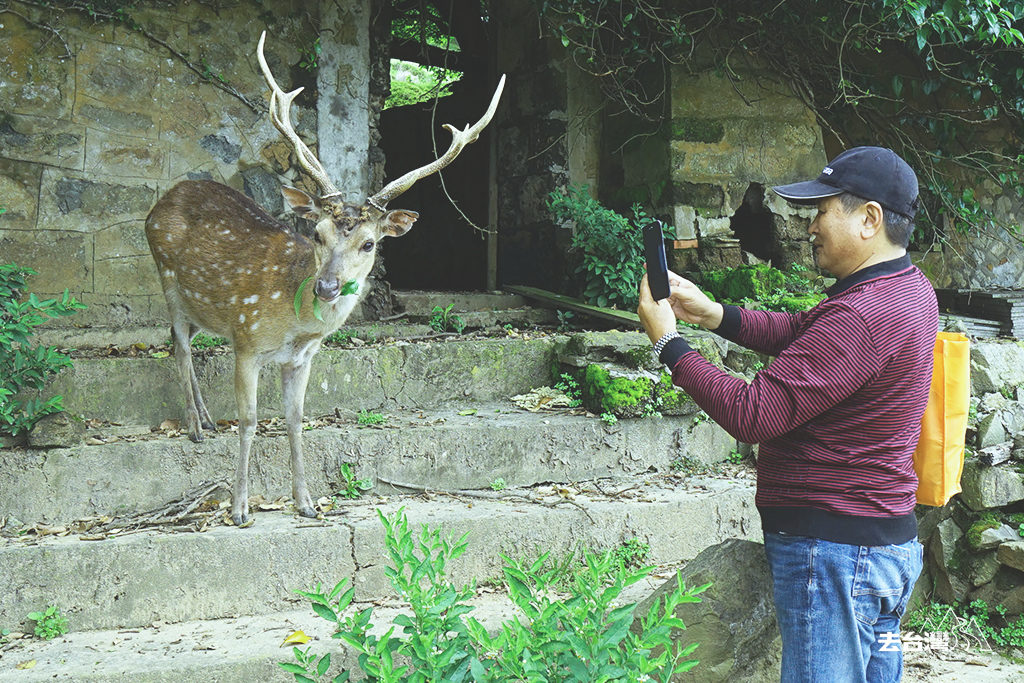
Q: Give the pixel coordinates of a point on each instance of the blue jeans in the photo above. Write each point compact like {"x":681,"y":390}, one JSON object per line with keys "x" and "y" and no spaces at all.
{"x":839,"y":607}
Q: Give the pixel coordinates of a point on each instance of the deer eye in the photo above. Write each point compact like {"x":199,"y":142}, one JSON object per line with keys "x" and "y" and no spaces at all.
{"x":367,"y":245}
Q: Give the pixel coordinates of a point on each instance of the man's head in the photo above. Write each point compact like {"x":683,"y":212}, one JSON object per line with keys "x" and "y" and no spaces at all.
{"x":870,"y":174}
{"x":866,"y":199}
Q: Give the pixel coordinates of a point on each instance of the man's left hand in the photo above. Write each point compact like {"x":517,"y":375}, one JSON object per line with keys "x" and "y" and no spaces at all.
{"x":657,"y":317}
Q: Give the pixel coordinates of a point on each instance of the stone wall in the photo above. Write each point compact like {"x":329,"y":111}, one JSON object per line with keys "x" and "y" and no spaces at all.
{"x":90,"y":140}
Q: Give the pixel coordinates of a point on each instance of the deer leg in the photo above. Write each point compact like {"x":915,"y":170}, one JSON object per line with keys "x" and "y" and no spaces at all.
{"x":187,"y":373}
{"x":246,"y":380}
{"x":204,"y":415}
{"x":293,"y":385}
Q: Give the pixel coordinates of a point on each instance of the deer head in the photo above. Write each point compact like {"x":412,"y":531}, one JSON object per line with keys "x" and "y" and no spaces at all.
{"x":346,"y":235}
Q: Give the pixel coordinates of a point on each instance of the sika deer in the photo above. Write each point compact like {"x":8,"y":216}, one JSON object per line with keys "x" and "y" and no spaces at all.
{"x":228,"y":267}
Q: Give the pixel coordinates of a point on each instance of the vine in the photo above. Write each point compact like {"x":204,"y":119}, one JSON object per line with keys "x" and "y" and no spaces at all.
{"x":949,"y":97}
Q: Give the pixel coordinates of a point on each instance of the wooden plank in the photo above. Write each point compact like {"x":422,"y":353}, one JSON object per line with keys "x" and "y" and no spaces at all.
{"x":562,"y":301}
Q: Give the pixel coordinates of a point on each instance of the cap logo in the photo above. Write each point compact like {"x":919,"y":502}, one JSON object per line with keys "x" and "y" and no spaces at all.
{"x":827,"y":170}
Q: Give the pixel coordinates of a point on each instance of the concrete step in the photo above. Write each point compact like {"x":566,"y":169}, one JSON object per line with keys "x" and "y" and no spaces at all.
{"x":136,"y":579}
{"x":439,"y":449}
{"x":424,"y":374}
{"x":232,"y":650}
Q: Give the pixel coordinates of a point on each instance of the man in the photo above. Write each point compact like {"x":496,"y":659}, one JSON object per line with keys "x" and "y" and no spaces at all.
{"x":837,"y":414}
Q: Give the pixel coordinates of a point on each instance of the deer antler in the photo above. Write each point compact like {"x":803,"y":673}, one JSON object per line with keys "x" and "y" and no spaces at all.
{"x":460,"y":138}
{"x":280,"y":115}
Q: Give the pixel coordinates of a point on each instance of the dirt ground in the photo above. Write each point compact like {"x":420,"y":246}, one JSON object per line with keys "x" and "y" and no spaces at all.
{"x":960,"y":666}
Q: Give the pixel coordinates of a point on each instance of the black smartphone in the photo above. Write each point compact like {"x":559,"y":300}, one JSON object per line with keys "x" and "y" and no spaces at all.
{"x":657,"y":265}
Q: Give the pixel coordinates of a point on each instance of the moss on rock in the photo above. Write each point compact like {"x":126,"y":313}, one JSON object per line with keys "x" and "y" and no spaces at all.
{"x":621,"y":396}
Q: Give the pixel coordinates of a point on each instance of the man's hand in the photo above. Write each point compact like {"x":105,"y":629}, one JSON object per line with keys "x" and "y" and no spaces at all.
{"x":685,"y":302}
{"x":692,"y":305}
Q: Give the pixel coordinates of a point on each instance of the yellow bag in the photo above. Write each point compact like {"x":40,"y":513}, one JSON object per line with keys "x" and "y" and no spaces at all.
{"x":939,"y":458}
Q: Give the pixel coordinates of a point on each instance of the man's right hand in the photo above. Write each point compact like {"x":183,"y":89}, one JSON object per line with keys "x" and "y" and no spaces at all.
{"x":692,"y":305}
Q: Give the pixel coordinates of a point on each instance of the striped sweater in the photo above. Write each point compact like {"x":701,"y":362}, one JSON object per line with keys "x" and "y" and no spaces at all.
{"x":838,"y":412}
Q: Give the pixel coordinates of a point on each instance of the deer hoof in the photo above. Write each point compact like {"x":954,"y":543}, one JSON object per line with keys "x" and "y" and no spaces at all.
{"x":241,"y":520}
{"x":195,"y":436}
{"x":306,"y":511}
{"x":212,"y":426}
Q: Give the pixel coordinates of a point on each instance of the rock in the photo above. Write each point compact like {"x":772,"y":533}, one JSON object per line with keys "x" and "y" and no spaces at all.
{"x":991,"y":430}
{"x":1006,"y":589}
{"x":995,"y":364}
{"x":981,"y":569}
{"x":735,"y":620}
{"x":58,"y":430}
{"x":993,"y":538}
{"x":944,"y":562}
{"x":990,"y":487}
{"x":1012,"y":554}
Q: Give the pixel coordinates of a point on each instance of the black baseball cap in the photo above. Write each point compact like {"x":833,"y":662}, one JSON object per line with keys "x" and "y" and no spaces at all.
{"x":872,"y":173}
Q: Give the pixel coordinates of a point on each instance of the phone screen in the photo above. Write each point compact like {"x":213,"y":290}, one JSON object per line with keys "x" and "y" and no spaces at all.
{"x":657,"y":265}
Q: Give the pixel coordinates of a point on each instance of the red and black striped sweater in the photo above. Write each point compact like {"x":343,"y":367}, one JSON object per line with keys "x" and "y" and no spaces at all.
{"x":838,"y":412}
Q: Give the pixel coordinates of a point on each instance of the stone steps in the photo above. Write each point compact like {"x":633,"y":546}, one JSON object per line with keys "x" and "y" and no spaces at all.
{"x":136,"y":579}
{"x":146,"y":390}
{"x":440,"y":450}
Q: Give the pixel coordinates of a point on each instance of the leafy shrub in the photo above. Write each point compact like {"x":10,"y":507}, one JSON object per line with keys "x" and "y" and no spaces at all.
{"x":583,"y":637}
{"x":444,"y":320}
{"x":610,"y":246}
{"x":22,"y":365}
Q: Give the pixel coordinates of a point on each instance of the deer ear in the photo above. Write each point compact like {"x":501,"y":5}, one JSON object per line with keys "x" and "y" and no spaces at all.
{"x":301,"y":203}
{"x":396,"y":223}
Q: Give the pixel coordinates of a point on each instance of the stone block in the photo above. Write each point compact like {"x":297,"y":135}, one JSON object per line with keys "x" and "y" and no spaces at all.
{"x":42,"y":140}
{"x":993,"y":538}
{"x":709,"y":443}
{"x":734,"y":622}
{"x":1011,"y":554}
{"x":59,"y":430}
{"x":122,"y":239}
{"x":120,"y":155}
{"x":19,"y":194}
{"x":62,"y":258}
{"x":71,"y":201}
{"x":1006,"y":589}
{"x":685,"y":218}
{"x":942,"y":551}
{"x":124,"y":78}
{"x":990,"y":487}
{"x":34,"y":80}
{"x":981,"y":569}
{"x":101,"y":116}
{"x":991,"y":431}
{"x":126,"y":276}
{"x":714,"y":226}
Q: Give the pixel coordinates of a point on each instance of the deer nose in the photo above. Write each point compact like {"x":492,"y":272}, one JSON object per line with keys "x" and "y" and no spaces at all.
{"x":327,"y":289}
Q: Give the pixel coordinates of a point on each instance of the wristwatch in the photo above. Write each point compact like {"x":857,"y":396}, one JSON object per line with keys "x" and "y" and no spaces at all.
{"x":660,"y":344}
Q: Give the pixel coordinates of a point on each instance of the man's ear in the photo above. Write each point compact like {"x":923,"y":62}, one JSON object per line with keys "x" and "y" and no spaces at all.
{"x":396,"y":223}
{"x":873,"y":219}
{"x":301,"y":203}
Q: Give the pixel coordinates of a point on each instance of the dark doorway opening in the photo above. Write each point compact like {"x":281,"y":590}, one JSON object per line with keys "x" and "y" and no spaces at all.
{"x":753,"y":225}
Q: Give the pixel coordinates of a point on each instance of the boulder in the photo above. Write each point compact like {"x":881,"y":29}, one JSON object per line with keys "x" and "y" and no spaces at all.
{"x":996,"y":364}
{"x":991,"y":430}
{"x":993,"y":538}
{"x":1012,"y":554}
{"x":990,"y":487}
{"x":944,"y":561}
{"x":1006,"y":589}
{"x":57,"y":430}
{"x":735,"y":620}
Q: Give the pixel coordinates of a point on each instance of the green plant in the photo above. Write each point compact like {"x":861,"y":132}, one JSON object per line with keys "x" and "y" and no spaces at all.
{"x":498,"y":484}
{"x":348,"y":486}
{"x":24,"y":367}
{"x":49,"y":623}
{"x":1006,"y":391}
{"x":632,"y":554}
{"x":609,"y":246}
{"x":310,"y":55}
{"x":609,"y":419}
{"x":583,"y":637}
{"x":736,"y":457}
{"x":369,"y":417}
{"x":763,"y":287}
{"x":444,"y":320}
{"x":205,"y":341}
{"x":565,"y":320}
{"x":571,"y":388}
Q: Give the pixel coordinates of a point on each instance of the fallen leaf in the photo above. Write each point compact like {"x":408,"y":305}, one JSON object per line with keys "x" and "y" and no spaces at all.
{"x":141,"y":346}
{"x":169,"y":425}
{"x":159,"y":354}
{"x":296,"y":638}
{"x":26,"y":664}
{"x":93,"y":441}
{"x":471,"y":411}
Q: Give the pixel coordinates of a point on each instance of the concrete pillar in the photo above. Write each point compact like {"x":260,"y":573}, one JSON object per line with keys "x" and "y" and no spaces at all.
{"x":343,"y":78}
